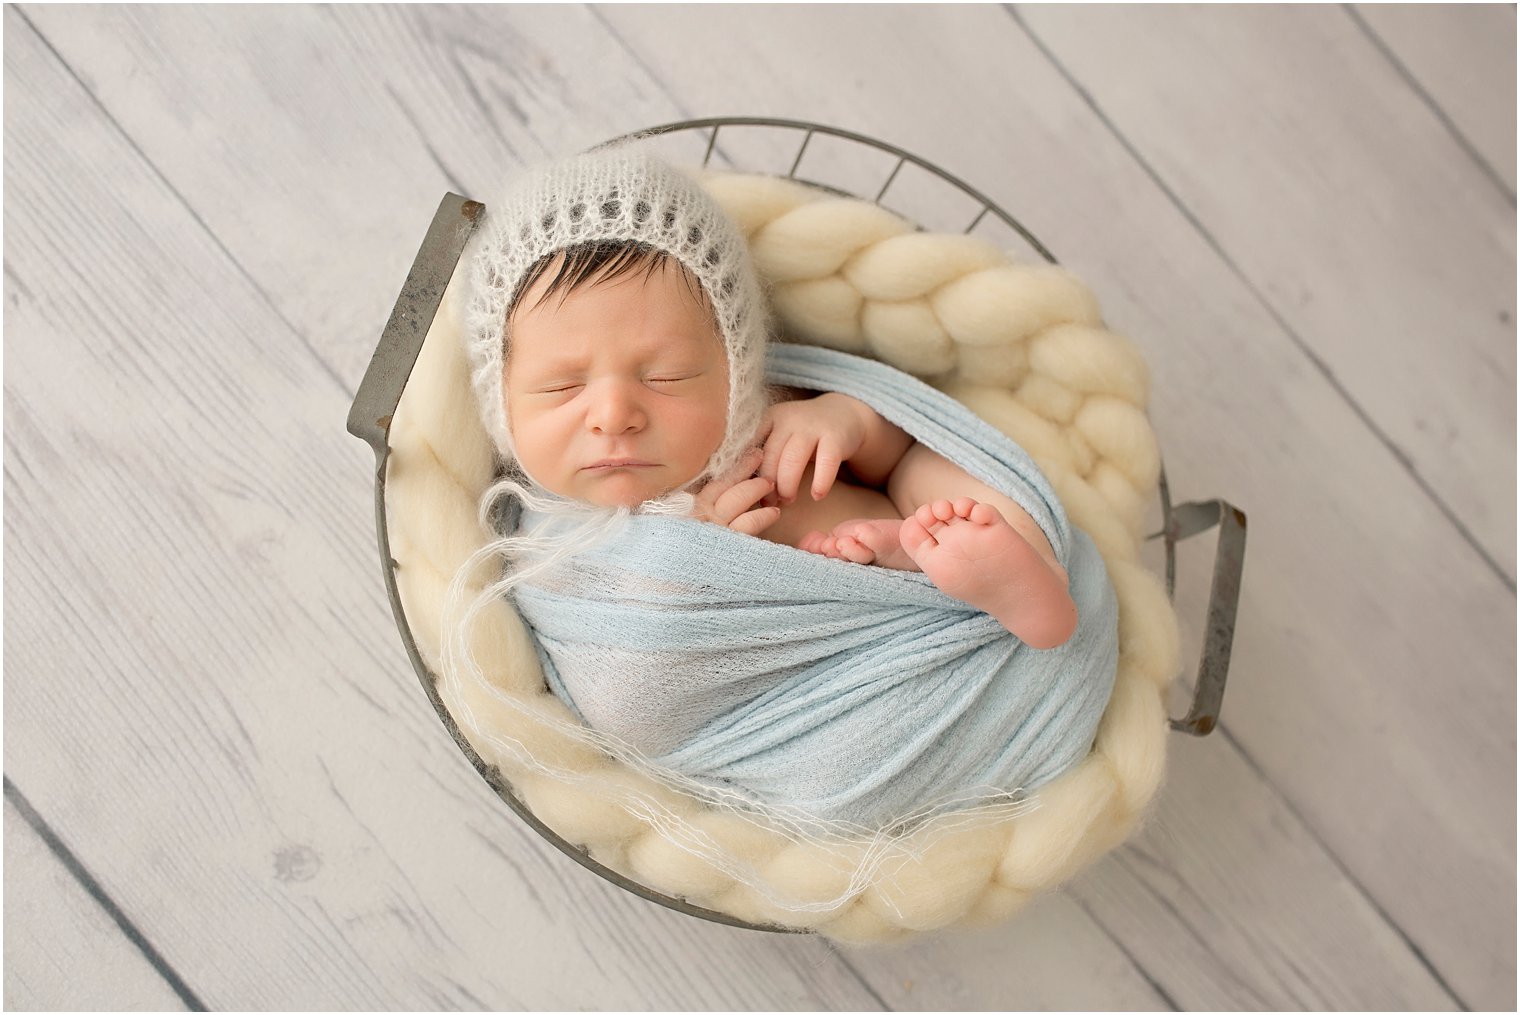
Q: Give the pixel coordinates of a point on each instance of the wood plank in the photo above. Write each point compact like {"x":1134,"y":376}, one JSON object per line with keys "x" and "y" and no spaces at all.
{"x":1060,"y":162}
{"x":1328,"y":668}
{"x":206,"y":694}
{"x":363,"y":116}
{"x":1175,"y":895}
{"x":158,"y":108}
{"x":1462,"y":56}
{"x":1053,"y":956}
{"x":1347,"y":205}
{"x":63,"y":952}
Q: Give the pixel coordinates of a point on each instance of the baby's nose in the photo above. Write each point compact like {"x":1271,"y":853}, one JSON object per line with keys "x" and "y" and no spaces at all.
{"x":616,"y":410}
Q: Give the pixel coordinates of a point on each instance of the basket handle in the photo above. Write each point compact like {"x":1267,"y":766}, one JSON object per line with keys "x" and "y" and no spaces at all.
{"x":1183,"y":522}
{"x":369,"y":418}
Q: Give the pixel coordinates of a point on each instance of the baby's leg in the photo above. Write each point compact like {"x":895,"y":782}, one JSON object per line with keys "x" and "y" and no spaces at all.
{"x":982,"y":548}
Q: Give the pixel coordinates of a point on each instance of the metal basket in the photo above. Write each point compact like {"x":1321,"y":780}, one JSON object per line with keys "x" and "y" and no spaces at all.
{"x":380,"y":392}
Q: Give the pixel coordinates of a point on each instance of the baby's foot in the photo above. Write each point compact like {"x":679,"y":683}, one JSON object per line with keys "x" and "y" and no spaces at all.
{"x":864,"y":541}
{"x":971,"y":553}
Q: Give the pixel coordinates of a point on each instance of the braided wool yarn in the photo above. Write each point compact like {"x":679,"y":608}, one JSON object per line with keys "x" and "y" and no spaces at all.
{"x":1025,"y":348}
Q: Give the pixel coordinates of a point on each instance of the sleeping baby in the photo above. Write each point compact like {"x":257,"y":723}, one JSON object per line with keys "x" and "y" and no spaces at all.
{"x":618,"y":348}
{"x":616,"y":379}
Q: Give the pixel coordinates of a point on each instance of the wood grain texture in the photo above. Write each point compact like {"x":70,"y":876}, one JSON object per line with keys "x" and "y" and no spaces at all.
{"x":1464,"y":62}
{"x":1347,"y":206}
{"x":1325,"y":674}
{"x":214,"y":706}
{"x":283,"y":815}
{"x":1213,"y":938}
{"x":62,"y":950}
{"x":1086,"y":943}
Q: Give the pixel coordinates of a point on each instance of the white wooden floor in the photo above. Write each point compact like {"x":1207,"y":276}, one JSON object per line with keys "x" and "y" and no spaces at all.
{"x":223,"y":785}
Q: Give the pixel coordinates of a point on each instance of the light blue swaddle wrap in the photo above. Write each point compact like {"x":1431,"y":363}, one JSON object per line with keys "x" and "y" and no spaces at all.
{"x":847,"y":692}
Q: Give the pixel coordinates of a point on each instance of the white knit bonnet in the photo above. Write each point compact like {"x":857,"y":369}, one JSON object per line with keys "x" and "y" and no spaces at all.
{"x":617,"y":194}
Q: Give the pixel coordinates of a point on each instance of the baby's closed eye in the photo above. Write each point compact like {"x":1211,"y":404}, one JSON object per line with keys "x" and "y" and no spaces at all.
{"x":674,"y":376}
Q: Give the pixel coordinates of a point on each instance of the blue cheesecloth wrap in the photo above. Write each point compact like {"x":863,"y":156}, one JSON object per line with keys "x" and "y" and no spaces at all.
{"x":842,"y":691}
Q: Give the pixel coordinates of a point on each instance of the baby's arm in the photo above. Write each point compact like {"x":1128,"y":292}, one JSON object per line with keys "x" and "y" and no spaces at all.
{"x":829,"y":430}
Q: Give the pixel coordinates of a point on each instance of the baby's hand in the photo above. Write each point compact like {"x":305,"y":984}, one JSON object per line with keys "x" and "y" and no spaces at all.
{"x":729,"y":500}
{"x":828,"y":429}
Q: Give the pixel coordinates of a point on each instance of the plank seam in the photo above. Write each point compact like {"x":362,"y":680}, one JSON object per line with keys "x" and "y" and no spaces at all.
{"x":1429,"y":100}
{"x":1399,"y":455}
{"x":681,"y":110}
{"x":1356,"y":883}
{"x":406,"y":114}
{"x":865,"y":985}
{"x":95,"y":891}
{"x":131,"y":143}
{"x":1171,"y":1002}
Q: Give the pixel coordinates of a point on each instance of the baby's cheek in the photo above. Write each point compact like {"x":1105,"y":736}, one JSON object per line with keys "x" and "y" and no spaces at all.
{"x":707,"y":428}
{"x":541,"y":450}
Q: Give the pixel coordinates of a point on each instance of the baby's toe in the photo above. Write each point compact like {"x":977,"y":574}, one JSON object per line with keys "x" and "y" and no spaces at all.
{"x":983,"y":514}
{"x":914,"y":534}
{"x":963,"y":507}
{"x":853,"y":549}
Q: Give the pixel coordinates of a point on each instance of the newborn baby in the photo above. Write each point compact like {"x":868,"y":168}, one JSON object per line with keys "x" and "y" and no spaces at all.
{"x":665,"y":462}
{"x":617,"y":383}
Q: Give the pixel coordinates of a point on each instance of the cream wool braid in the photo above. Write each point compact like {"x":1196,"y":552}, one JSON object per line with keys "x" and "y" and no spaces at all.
{"x":1024,"y":347}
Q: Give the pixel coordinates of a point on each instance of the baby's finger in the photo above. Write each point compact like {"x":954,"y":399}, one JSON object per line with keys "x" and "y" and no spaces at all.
{"x":826,"y":470}
{"x":706,"y":496}
{"x":794,"y":462}
{"x":752,"y":523}
{"x":740,"y":470}
{"x":739,"y":498}
{"x":775,"y":444}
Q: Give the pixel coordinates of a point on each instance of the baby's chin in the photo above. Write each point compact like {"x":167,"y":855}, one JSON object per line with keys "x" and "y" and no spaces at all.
{"x":627,"y":489}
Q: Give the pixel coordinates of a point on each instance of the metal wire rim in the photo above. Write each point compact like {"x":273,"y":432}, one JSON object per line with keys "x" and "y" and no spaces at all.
{"x":716,"y":123}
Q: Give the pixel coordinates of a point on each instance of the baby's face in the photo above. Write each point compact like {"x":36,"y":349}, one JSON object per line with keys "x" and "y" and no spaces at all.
{"x":619,"y":393}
